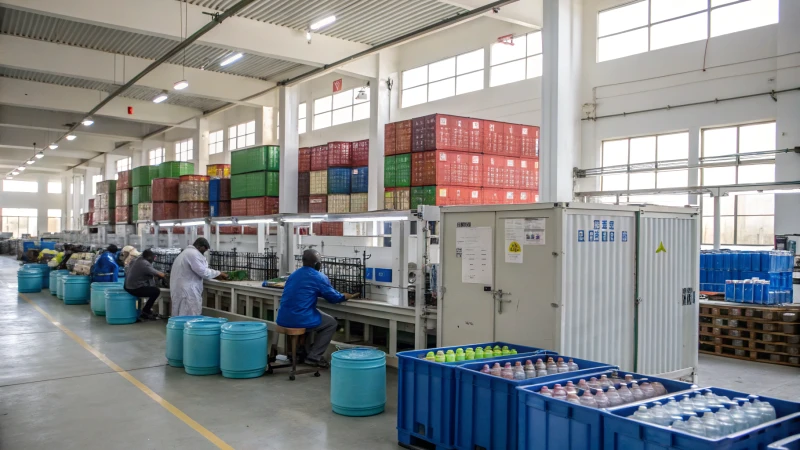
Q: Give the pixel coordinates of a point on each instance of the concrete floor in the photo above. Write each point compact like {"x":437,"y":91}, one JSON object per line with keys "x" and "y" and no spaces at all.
{"x":54,"y":393}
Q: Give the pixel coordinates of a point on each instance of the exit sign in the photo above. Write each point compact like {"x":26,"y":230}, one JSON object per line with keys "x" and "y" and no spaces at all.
{"x":337,"y":85}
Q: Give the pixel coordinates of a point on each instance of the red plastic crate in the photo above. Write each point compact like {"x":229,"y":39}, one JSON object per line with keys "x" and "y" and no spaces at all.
{"x":272,"y":205}
{"x":302,"y":204}
{"x":513,"y":140}
{"x":165,"y":211}
{"x":91,"y":204}
{"x":403,"y":135}
{"x":304,"y":183}
{"x":443,"y":132}
{"x":423,"y":169}
{"x":458,"y":169}
{"x":389,"y":139}
{"x":256,"y":206}
{"x":124,"y":180}
{"x":165,"y":190}
{"x":339,"y":154}
{"x":193,"y":210}
{"x":497,"y":173}
{"x":304,"y":159}
{"x":230,"y":229}
{"x":123,"y":214}
{"x":529,"y":141}
{"x":494,"y":138}
{"x":318,"y":204}
{"x":458,"y":195}
{"x":319,"y":157}
{"x":360,"y":153}
{"x":224,"y":208}
{"x":249,"y":230}
{"x":499,"y":196}
{"x":328,"y":228}
{"x":528,"y":173}
{"x":239,"y":207}
{"x":418,"y":134}
{"x":526,"y":196}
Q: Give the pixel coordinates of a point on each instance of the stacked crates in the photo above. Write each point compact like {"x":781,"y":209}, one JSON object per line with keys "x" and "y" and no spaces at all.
{"x":193,"y":197}
{"x":123,"y":198}
{"x":106,"y":202}
{"x":333,"y":178}
{"x":141,"y":193}
{"x":255,"y":175}
{"x":339,"y":174}
{"x":164,"y":195}
{"x":219,"y":197}
{"x":174,"y":169}
{"x":760,"y":277}
{"x":303,"y":179}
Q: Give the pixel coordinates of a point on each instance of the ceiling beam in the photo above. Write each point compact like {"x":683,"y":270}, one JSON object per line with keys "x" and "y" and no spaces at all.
{"x":59,"y":121}
{"x":528,"y":13}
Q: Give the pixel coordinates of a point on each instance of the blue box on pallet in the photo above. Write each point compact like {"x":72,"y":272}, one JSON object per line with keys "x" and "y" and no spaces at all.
{"x":359,"y":180}
{"x":426,"y":394}
{"x":548,"y":423}
{"x":214,"y":190}
{"x":339,"y":180}
{"x":487,"y":405}
{"x":790,"y":443}
{"x":622,"y":433}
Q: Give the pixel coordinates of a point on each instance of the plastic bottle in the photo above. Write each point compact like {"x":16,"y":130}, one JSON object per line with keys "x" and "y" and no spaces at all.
{"x":739,"y":418}
{"x":450,"y":356}
{"x":460,"y":356}
{"x":570,"y":387}
{"x":628,"y":379}
{"x":505,"y":350}
{"x":559,"y":392}
{"x":625,"y":394}
{"x":546,"y":392}
{"x":496,"y":370}
{"x":519,"y":372}
{"x":507,"y":372}
{"x":587,"y":399}
{"x":552,"y":369}
{"x":430,"y":357}
{"x":672,"y":407}
{"x":572,"y":365}
{"x":713,"y":429}
{"x":497,"y":350}
{"x":573,"y":398}
{"x":752,"y":414}
{"x":469,"y":355}
{"x":530,"y":370}
{"x":488,"y":352}
{"x":726,"y":422}
{"x":643,"y":414}
{"x":440,"y":358}
{"x":637,"y":392}
{"x":660,"y":416}
{"x":601,"y":399}
{"x":648,"y":390}
{"x":686,"y":404}
{"x":593,"y":383}
{"x":695,"y":426}
{"x":486,"y":369}
{"x":479,"y":353}
{"x":699,"y":401}
{"x":513,"y":351}
{"x":678,"y":423}
{"x":604,"y":382}
{"x":561,"y":366}
{"x":613,"y":397}
{"x":767,"y":410}
{"x":583,"y":385}
{"x":541,"y":368}
{"x":659,"y":388}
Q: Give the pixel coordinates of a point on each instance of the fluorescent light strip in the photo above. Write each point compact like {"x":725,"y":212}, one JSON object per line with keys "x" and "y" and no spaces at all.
{"x":71,"y":137}
{"x":322,"y":23}
{"x":231,"y":59}
{"x":191,"y":224}
{"x":373,"y":219}
{"x":298,"y":220}
{"x":168,"y":224}
{"x":160,"y":98}
{"x":256,"y":221}
{"x":224,"y":222}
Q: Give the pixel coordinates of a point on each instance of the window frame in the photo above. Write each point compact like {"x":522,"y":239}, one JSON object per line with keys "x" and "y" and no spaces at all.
{"x":187,"y":152}
{"x":156,"y":158}
{"x":94,"y":183}
{"x":234,"y":136}
{"x":21,"y":183}
{"x":456,"y":75}
{"x":302,"y":118}
{"x":333,"y":109}
{"x":526,"y":57}
{"x":51,"y":184}
{"x":216,"y":146}
{"x":14,"y":213}
{"x":127,"y":163}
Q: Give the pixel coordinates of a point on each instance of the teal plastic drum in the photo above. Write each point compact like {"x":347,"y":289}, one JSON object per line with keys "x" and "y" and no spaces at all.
{"x":53,"y":284}
{"x":175,"y":327}
{"x":201,"y":346}
{"x":29,"y":280}
{"x":97,"y":297}
{"x":120,"y":307}
{"x":243,"y":349}
{"x":358,"y":382}
{"x":61,"y":279}
{"x":76,"y":289}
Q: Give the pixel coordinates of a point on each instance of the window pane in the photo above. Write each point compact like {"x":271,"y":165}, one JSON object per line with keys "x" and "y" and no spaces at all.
{"x":20,"y":186}
{"x":323,"y":104}
{"x":469,"y":83}
{"x":322,"y":120}
{"x":615,"y":153}
{"x":743,"y":16}
{"x":667,"y":9}
{"x":719,"y":141}
{"x":53,"y":213}
{"x":534,"y":43}
{"x":718,"y":176}
{"x":54,"y":187}
{"x":250,"y":140}
{"x":251,"y":128}
{"x":357,"y":91}
{"x":621,"y":45}
{"x":502,"y":53}
{"x":469,"y":62}
{"x":643,"y":149}
{"x":411,"y":78}
{"x":341,"y":116}
{"x":241,"y":141}
{"x":754,"y":205}
{"x":762,"y":173}
{"x":232,"y":131}
{"x":725,"y":206}
{"x":643,"y":180}
{"x":241,"y":129}
{"x":618,"y":182}
{"x":673,"y":146}
{"x":361,"y":111}
{"x":232,"y":144}
{"x":621,"y":19}
{"x":755,"y":230}
{"x":343,"y":99}
{"x":507,"y":73}
{"x":725,"y":230}
{"x":679,"y":31}
{"x":534,"y":66}
{"x":301,"y":111}
{"x":301,"y":126}
{"x":415,"y":96}
{"x":663,"y":200}
{"x":441,"y":70}
{"x":672,"y":178}
{"x":442,"y":89}
{"x":757,"y":138}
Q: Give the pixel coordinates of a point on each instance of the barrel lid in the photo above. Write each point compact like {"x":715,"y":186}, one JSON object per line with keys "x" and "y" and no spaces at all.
{"x":359,"y":354}
{"x":209,"y":319}
{"x":201,"y":324}
{"x":243,"y":327}
{"x":78,"y":277}
{"x":184,"y":319}
{"x":106,"y":284}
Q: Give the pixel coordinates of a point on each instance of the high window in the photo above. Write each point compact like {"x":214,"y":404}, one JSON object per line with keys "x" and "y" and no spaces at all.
{"x":646,"y":25}
{"x":96,"y":179}
{"x":184,"y":150}
{"x":301,"y":118}
{"x":446,"y":78}
{"x":156,"y":156}
{"x":242,"y":135}
{"x":53,"y":187}
{"x":341,"y":107}
{"x":216,"y":142}
{"x":123,"y":164}
{"x":54,"y":220}
{"x":20,"y":186}
{"x":20,"y":221}
{"x":516,"y":61}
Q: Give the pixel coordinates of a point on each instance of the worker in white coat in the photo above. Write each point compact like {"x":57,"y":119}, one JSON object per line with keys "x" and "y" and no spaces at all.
{"x":189,"y":270}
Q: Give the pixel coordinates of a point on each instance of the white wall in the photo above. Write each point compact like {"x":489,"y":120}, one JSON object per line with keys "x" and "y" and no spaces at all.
{"x":321,"y":87}
{"x":40,"y":200}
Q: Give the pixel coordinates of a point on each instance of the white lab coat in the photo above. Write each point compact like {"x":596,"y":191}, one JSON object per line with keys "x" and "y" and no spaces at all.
{"x":186,"y":282}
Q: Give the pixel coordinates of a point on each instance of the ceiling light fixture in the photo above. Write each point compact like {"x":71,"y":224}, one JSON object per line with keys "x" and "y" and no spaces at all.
{"x":15,"y":173}
{"x":30,"y":161}
{"x":161,"y":97}
{"x":87,"y":122}
{"x":308,"y":36}
{"x":71,"y":137}
{"x":53,"y":146}
{"x":39,"y":155}
{"x":256,"y":221}
{"x":9,"y":177}
{"x":231,"y":59}
{"x":21,"y":168}
{"x":181,"y":85}
{"x":323,"y":23}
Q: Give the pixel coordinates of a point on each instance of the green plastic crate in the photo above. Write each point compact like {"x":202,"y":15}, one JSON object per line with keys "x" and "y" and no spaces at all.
{"x":143,"y":175}
{"x":389,"y":172}
{"x":422,"y":195}
{"x":134,"y":214}
{"x":273,"y":184}
{"x":238,"y":186}
{"x":256,"y":159}
{"x":402,"y":170}
{"x":141,"y":194}
{"x":257,"y":184}
{"x":174,"y":169}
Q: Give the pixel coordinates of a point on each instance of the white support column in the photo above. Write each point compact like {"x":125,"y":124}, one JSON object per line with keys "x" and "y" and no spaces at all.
{"x":694,"y":161}
{"x":200,"y":141}
{"x":379,"y":115}
{"x":289,"y":141}
{"x":261,"y":237}
{"x":717,"y":224}
{"x":561,"y":106}
{"x":266,"y":125}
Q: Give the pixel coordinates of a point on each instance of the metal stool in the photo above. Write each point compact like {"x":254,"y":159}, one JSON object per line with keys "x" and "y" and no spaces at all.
{"x":295,"y":336}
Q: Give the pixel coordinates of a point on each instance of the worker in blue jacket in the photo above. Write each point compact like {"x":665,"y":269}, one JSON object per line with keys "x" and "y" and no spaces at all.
{"x":298,"y":307}
{"x":105,"y":268}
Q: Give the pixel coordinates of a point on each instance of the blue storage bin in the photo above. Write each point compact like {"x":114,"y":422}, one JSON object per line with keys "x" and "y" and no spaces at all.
{"x":755,"y":261}
{"x":29,"y":280}
{"x":727,"y":261}
{"x":359,"y":179}
{"x":487,"y":406}
{"x":77,"y":289}
{"x":426,"y":393}
{"x":214,"y":190}
{"x":790,"y":443}
{"x":623,"y":433}
{"x":45,"y":269}
{"x":213,"y":208}
{"x":339,"y":180}
{"x":548,"y":423}
{"x":47,"y":245}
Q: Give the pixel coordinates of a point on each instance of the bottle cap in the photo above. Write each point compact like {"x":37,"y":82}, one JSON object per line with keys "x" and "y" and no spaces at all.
{"x":450,"y":352}
{"x":430,"y":354}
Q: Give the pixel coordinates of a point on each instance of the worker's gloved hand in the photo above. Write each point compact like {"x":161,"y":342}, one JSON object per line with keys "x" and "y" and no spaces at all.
{"x":222,"y":276}
{"x":162,"y":275}
{"x":350,"y":296}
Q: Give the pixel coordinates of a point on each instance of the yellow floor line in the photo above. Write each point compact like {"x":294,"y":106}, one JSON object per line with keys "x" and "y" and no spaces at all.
{"x":124,"y":374}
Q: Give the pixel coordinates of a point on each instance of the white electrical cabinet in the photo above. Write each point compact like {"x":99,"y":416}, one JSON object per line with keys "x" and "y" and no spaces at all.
{"x":615,"y":284}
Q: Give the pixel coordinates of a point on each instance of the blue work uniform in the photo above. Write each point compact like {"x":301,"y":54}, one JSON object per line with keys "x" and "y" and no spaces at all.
{"x":298,"y":308}
{"x":105,"y":269}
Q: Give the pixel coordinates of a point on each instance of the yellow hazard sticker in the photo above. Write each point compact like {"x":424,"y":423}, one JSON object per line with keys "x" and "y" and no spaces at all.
{"x":661,"y":248}
{"x":514,"y":247}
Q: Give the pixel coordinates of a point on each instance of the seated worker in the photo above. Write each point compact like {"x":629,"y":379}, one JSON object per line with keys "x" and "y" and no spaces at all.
{"x":140,"y":282}
{"x":298,"y":307}
{"x":105,"y":268}
{"x":68,"y":251}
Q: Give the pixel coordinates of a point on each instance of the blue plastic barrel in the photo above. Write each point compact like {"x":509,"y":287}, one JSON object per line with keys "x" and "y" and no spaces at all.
{"x":29,"y":280}
{"x":53,"y":284}
{"x":60,"y":284}
{"x":201,"y":346}
{"x":77,"y":289}
{"x":45,"y":273}
{"x":243,"y":349}
{"x":358,"y":382}
{"x":97,"y":297}
{"x":120,"y":307}
{"x":175,"y":326}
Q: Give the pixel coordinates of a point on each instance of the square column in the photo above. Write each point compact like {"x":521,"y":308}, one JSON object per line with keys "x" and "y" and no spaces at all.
{"x":267,"y":125}
{"x":200,"y":142}
{"x":289,"y":141}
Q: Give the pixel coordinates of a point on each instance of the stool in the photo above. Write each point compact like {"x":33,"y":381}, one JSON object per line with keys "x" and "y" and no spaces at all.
{"x":295,"y":336}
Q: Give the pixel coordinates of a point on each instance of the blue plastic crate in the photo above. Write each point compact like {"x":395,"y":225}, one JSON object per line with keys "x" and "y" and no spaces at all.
{"x":213,"y":208}
{"x":359,"y":180}
{"x":487,"y":405}
{"x":622,"y":433}
{"x":214,"y":190}
{"x":548,"y":423}
{"x":426,"y":394}
{"x":339,"y":180}
{"x":790,"y":443}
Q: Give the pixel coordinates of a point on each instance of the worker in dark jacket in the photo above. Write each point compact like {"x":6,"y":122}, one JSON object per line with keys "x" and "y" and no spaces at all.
{"x":105,"y":269}
{"x":298,"y":307}
{"x":140,"y":282}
